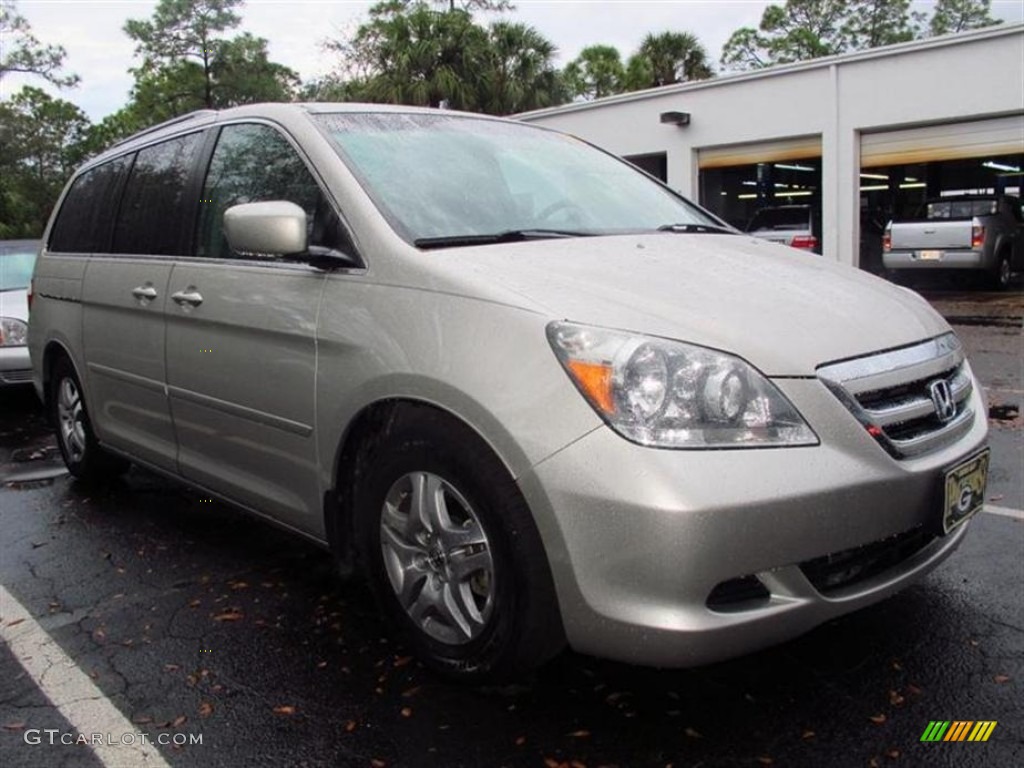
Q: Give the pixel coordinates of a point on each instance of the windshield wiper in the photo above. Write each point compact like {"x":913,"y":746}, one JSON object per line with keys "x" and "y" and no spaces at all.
{"x":700,"y":229}
{"x":508,"y":236}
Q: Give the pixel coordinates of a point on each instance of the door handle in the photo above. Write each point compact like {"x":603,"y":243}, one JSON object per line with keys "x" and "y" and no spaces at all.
{"x":144,"y":292}
{"x":190,"y":296}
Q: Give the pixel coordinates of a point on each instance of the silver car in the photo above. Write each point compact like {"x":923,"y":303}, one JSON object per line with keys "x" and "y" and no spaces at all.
{"x":17,"y":257}
{"x":536,"y":397}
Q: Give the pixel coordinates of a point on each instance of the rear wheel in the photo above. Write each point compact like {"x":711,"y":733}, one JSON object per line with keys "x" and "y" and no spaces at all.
{"x":75,"y":438}
{"x":1001,"y":275}
{"x":452,"y":553}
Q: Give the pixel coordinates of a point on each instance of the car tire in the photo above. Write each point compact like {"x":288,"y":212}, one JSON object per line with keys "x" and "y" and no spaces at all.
{"x":451,"y":551}
{"x":1002,"y":275}
{"x":84,"y":457}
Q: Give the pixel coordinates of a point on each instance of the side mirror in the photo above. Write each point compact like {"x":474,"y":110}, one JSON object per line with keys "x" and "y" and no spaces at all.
{"x":274,"y":228}
{"x":278,"y":228}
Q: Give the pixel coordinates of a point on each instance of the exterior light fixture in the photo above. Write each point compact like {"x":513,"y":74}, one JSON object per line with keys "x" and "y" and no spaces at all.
{"x":676,"y":118}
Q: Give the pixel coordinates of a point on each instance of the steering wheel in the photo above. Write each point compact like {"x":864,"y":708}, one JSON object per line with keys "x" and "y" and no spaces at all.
{"x":561,"y":205}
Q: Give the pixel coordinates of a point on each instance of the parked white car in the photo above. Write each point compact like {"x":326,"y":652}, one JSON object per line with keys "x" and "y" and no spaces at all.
{"x":17,"y":258}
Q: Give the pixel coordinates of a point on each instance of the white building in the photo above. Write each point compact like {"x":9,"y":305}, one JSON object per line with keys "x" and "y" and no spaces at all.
{"x":859,"y":138}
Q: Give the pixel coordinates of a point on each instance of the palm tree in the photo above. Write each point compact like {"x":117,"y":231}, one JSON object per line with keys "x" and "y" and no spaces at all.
{"x":595,"y":73}
{"x":667,"y":58}
{"x":520,"y":74}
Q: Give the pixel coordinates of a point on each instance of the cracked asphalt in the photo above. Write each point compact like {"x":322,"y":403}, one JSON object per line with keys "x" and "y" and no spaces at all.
{"x":194,"y":619}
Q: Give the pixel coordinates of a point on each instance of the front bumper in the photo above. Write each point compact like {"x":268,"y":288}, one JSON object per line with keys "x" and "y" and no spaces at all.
{"x":15,"y":366}
{"x":639,"y":538}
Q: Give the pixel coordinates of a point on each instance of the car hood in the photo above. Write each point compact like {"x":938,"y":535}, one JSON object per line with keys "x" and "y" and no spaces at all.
{"x":783,"y":310}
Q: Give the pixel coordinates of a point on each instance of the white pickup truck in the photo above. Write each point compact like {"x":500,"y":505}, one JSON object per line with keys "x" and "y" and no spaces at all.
{"x":978,"y":233}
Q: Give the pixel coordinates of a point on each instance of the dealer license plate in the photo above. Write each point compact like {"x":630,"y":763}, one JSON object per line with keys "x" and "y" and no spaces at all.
{"x":929,"y":255}
{"x":965,"y":490}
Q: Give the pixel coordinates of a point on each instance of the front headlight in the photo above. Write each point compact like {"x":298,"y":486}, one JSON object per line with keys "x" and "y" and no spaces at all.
{"x":13,"y":332}
{"x":674,"y":395}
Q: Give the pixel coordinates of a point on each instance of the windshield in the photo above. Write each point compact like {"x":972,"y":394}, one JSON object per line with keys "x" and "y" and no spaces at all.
{"x":16,"y":263}
{"x":443,"y":176}
{"x":781,"y":218}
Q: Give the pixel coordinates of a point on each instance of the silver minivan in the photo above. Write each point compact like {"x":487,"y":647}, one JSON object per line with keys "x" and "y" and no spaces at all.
{"x":535,"y":396}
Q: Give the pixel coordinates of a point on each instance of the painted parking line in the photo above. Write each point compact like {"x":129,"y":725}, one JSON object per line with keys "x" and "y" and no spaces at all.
{"x":1016,"y":514}
{"x":71,"y":691}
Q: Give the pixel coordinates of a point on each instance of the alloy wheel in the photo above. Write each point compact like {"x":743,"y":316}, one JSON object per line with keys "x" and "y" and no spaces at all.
{"x":437,"y":557}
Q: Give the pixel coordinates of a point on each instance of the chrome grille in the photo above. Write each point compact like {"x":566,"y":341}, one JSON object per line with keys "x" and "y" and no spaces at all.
{"x":891,"y":394}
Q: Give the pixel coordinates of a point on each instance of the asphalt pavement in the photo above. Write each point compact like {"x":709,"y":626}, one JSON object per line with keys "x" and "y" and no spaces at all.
{"x":208,"y":638}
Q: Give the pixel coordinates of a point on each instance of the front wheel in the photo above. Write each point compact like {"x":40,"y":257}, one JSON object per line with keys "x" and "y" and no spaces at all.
{"x":452,"y":553}
{"x":78,"y":445}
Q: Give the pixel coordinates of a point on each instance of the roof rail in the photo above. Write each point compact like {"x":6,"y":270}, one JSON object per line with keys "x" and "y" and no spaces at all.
{"x":165,"y":124}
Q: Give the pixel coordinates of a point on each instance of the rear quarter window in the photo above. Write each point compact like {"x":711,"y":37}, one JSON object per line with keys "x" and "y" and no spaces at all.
{"x":85,"y":222}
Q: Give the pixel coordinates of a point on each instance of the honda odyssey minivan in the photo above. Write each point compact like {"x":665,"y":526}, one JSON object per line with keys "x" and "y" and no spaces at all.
{"x":534,"y":396}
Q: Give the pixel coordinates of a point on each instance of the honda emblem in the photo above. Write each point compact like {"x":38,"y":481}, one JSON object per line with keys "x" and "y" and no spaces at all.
{"x":942,"y":399}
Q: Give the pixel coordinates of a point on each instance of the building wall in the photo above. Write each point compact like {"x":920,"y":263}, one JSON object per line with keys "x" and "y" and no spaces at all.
{"x":943,"y":80}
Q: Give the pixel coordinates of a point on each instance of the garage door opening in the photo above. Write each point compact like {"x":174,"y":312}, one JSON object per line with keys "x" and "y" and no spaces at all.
{"x":771,"y":189}
{"x":902,"y":170}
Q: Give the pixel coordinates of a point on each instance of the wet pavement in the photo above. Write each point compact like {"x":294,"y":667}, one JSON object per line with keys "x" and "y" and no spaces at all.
{"x":196,"y":620}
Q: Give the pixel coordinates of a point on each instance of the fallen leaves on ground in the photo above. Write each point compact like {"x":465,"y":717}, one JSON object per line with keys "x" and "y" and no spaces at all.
{"x":693,"y":733}
{"x":877,"y":719}
{"x":231,"y":615}
{"x":580,"y":734}
{"x":896,"y":698}
{"x":375,"y":763}
{"x":350,"y":726}
{"x":179,"y":721}
{"x":765,"y":760}
{"x":807,"y":735}
{"x":520,"y":741}
{"x":142,"y":719}
{"x":284,"y":709}
{"x":401,"y":661}
{"x":1000,"y":679}
{"x":893,"y":754}
{"x":15,"y":726}
{"x":205,"y":709}
{"x":406,"y":712}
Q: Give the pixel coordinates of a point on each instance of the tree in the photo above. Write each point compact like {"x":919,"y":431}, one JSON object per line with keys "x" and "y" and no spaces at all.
{"x":960,"y":15}
{"x":42,"y":140}
{"x":665,"y":59}
{"x":872,"y":23}
{"x":244,"y":74}
{"x":595,"y":73}
{"x":520,"y":74}
{"x":473,"y":5}
{"x":410,"y":53}
{"x":184,"y":29}
{"x":807,"y":29}
{"x":419,"y":56}
{"x":21,"y":52}
{"x":802,"y":29}
{"x":189,"y":64}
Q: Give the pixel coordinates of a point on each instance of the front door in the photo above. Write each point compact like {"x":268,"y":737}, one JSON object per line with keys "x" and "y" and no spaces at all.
{"x":241,"y":338}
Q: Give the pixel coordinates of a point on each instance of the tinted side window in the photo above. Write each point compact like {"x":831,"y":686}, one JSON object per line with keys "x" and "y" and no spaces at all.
{"x":255,"y":163}
{"x":154,"y":211}
{"x":86,"y":219}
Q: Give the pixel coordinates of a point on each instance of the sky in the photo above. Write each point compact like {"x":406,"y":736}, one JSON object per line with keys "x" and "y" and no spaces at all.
{"x":101,"y":54}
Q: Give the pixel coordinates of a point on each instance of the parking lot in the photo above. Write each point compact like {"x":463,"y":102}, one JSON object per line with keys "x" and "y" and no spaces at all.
{"x":227,"y":642}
